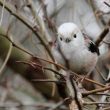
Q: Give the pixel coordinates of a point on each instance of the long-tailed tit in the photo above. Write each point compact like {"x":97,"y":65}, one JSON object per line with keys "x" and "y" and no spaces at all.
{"x":71,"y":45}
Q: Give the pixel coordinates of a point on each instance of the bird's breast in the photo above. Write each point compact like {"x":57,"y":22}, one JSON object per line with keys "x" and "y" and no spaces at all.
{"x":83,"y":62}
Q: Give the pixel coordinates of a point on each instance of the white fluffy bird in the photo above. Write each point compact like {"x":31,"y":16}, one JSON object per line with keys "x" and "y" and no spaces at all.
{"x":71,"y":45}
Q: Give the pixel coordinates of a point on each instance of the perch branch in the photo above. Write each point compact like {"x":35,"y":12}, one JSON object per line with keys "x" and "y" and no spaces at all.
{"x":76,"y":95}
{"x":96,"y":90}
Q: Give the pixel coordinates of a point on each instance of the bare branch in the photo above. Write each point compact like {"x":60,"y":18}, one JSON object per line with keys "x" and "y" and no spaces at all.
{"x":96,"y":90}
{"x":102,"y":36}
{"x":95,"y":103}
{"x":47,"y":80}
{"x":107,"y":4}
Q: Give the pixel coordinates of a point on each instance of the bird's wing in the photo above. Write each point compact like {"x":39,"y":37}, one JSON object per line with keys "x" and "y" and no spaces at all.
{"x":91,"y":45}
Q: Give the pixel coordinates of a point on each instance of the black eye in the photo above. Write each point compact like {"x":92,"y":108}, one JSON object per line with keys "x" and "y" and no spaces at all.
{"x":61,"y":38}
{"x":74,"y":36}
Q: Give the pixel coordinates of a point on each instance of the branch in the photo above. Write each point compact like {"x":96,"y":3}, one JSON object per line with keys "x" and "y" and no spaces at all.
{"x":95,"y":103}
{"x":95,"y":91}
{"x":59,"y":104}
{"x":47,"y":80}
{"x":76,"y":97}
{"x":34,"y":65}
{"x":86,"y":79}
{"x":107,"y":4}
{"x":102,"y":36}
{"x":51,"y":25}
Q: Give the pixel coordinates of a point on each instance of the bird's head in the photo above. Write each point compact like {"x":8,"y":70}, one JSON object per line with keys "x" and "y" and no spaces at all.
{"x":69,"y":33}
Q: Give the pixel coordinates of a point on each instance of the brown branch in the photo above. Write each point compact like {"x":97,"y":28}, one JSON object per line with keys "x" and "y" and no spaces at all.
{"x":107,"y":4}
{"x":75,"y":89}
{"x":34,"y":65}
{"x":59,"y":104}
{"x":95,"y":91}
{"x":87,"y":79}
{"x":95,"y":103}
{"x":51,"y":25}
{"x":101,"y":74}
{"x":102,"y":36}
{"x":106,"y":94}
{"x":46,"y":80}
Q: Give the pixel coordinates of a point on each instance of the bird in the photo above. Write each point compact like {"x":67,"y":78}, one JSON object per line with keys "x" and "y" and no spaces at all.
{"x":76,"y":48}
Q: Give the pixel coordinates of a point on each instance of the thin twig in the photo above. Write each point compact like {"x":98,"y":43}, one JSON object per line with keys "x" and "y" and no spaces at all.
{"x":59,"y":104}
{"x":51,"y":25}
{"x":34,"y":65}
{"x":102,"y":36}
{"x":38,"y":19}
{"x":46,"y":80}
{"x":107,"y":4}
{"x":95,"y":103}
{"x":101,"y":94}
{"x":87,"y":79}
{"x":101,"y":74}
{"x":95,"y":91}
{"x":76,"y":95}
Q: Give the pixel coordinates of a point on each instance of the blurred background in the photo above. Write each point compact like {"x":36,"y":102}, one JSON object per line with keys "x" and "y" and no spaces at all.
{"x":27,"y":30}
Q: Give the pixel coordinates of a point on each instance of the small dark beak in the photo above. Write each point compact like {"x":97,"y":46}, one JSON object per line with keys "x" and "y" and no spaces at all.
{"x":67,"y":40}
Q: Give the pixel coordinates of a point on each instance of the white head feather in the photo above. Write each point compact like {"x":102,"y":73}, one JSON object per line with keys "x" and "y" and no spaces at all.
{"x":69,"y":34}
